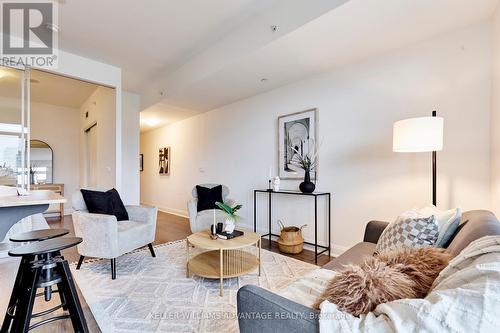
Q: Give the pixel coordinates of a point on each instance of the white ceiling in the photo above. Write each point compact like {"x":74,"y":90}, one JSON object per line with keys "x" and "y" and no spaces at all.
{"x":191,"y":56}
{"x":46,"y":88}
{"x":147,"y":36}
{"x":350,"y":33}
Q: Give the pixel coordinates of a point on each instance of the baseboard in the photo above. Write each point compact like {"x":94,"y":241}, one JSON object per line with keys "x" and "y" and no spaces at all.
{"x":338,"y":250}
{"x":68,"y":211}
{"x":173,"y":211}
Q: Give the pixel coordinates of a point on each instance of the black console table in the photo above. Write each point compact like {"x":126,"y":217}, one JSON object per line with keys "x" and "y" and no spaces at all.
{"x":315,"y":195}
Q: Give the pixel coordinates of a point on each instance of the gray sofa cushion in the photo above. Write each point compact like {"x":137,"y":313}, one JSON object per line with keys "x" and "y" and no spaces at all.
{"x":355,"y":255}
{"x":478,"y":223}
{"x":261,"y":311}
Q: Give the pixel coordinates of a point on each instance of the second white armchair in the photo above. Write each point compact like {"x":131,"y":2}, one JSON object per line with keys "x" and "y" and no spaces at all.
{"x":203,"y":220}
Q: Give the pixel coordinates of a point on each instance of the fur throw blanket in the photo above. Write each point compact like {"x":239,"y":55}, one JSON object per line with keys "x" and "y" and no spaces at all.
{"x":404,"y":273}
{"x":465,"y":297}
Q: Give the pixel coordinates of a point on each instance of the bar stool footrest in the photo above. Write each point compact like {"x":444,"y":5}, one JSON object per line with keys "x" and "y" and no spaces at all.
{"x":48,"y":320}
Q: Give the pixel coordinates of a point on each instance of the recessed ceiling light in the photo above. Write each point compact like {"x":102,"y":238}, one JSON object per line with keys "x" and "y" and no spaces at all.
{"x":264,"y":79}
{"x":274,"y":28}
{"x":151,"y":121}
{"x":52,"y":27}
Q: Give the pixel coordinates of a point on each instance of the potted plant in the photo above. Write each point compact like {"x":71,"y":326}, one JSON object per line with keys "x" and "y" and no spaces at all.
{"x":230,"y":222}
{"x":307,"y":161}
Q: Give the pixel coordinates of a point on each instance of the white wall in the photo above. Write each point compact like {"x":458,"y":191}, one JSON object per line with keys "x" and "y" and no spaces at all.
{"x":100,"y":107}
{"x":495,"y":117}
{"x":357,"y":107}
{"x":130,"y":148}
{"x":59,"y":127}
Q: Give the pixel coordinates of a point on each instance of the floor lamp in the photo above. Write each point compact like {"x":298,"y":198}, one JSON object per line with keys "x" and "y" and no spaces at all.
{"x":417,"y":135}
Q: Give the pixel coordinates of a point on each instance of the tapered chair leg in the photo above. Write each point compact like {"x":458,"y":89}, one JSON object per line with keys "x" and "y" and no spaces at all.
{"x":152,"y":250}
{"x":113,"y":268}
{"x":80,"y":262}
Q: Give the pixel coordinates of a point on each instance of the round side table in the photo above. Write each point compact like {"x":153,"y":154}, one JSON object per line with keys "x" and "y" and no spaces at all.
{"x":223,"y":258}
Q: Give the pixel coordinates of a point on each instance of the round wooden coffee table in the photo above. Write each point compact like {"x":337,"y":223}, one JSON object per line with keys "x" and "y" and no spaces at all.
{"x":223,"y":258}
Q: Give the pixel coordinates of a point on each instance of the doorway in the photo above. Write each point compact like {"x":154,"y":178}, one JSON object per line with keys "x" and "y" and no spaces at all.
{"x":91,"y":156}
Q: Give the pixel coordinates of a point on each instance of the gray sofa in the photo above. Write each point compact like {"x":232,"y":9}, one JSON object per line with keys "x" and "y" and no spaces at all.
{"x":262,"y":311}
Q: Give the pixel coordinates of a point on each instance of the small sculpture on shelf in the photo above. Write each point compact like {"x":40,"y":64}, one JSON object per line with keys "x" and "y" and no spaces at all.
{"x":270,"y":180}
{"x":276,"y":183}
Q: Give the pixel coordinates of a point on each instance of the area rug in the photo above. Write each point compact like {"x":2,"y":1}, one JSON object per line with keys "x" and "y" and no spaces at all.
{"x":154,"y":295}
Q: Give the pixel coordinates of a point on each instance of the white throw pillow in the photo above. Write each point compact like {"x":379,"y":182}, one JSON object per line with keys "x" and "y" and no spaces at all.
{"x":447,"y":220}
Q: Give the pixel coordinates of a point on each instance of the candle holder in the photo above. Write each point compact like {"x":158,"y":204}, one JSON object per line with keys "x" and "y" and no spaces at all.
{"x":213,"y":233}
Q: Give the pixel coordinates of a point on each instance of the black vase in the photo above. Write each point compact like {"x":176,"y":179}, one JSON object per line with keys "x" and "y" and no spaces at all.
{"x":307,"y":186}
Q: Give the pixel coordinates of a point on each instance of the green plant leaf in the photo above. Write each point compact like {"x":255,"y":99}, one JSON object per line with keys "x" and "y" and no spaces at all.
{"x":224,"y":207}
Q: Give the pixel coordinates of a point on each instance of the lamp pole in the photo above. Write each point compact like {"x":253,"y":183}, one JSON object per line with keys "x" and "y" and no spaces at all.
{"x":434,"y":172}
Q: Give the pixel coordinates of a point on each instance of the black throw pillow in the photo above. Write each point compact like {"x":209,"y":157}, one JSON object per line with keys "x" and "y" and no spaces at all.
{"x":117,"y":207}
{"x":108,"y":203}
{"x":97,"y":202}
{"x":207,"y":197}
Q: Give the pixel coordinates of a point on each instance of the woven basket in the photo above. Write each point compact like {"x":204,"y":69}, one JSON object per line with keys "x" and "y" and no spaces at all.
{"x":290,"y":240}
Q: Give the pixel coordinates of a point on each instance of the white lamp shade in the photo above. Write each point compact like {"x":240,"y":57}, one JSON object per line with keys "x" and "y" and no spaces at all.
{"x":415,"y":135}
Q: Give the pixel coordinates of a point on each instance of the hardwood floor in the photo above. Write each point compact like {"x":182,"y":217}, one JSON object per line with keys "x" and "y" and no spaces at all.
{"x":169,"y":228}
{"x":306,"y":255}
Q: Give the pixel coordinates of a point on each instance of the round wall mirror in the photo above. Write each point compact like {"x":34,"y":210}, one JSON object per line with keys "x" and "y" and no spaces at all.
{"x":41,"y":168}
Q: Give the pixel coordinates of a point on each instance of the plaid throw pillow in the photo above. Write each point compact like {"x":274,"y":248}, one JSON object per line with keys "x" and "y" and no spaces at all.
{"x":408,"y":232}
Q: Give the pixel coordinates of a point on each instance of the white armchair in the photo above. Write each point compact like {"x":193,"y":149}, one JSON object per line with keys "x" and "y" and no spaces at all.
{"x":105,"y":237}
{"x":203,"y":220}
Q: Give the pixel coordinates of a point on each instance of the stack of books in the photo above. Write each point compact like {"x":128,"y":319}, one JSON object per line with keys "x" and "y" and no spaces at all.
{"x":225,"y":235}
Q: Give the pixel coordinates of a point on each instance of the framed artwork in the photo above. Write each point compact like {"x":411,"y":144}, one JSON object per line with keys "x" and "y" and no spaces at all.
{"x":296,"y":132}
{"x":164,"y":160}
{"x":141,"y":162}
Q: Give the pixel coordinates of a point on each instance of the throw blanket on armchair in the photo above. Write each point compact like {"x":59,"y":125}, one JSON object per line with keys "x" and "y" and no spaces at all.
{"x":464,"y":298}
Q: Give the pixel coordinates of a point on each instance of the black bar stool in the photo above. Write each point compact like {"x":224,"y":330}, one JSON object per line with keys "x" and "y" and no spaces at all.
{"x":34,"y":236}
{"x":46,"y":269}
{"x":39,"y":235}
